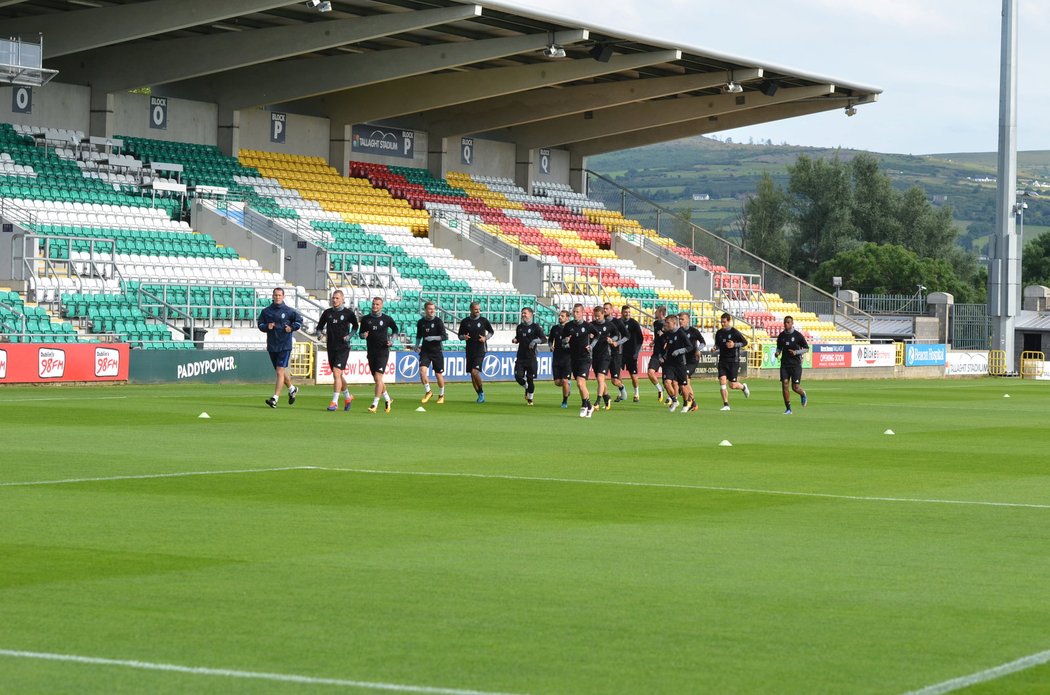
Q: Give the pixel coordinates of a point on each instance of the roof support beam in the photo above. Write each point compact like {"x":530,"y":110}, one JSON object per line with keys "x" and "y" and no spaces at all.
{"x":703,"y":126}
{"x":426,"y":92}
{"x":651,"y":114}
{"x":125,"y":67}
{"x":83,"y":30}
{"x":541,"y":104}
{"x":298,"y":79}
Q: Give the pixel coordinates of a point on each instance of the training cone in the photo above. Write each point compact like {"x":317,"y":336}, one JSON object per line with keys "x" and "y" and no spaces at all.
{"x":889,"y":432}
{"x":1006,"y":395}
{"x":725,"y":442}
{"x":421,"y":409}
{"x":204,"y":416}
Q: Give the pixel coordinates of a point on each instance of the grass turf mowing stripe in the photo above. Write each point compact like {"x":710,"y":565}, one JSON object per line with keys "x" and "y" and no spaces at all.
{"x":684,"y":486}
{"x":1025,"y":662}
{"x":147,"y":476}
{"x":235,"y":673}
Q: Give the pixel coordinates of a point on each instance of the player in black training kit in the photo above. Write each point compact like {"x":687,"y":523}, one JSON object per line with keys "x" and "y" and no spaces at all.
{"x":616,"y":363}
{"x":338,"y":323}
{"x":791,"y":346}
{"x":527,"y":336}
{"x":378,"y":330}
{"x":675,"y":347}
{"x":660,"y":313}
{"x":561,"y":362}
{"x":631,"y":347}
{"x":728,"y":342}
{"x":580,"y":338}
{"x":602,"y":354}
{"x":692,"y":356}
{"x":430,"y":333}
{"x":476,"y":330}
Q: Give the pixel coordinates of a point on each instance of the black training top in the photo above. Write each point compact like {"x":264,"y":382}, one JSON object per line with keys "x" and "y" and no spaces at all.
{"x":634,"y":338}
{"x":430,"y":333}
{"x":338,"y":325}
{"x":556,"y":339}
{"x":791,"y":346}
{"x":380,"y":330}
{"x":470,"y":329}
{"x":696,"y":341}
{"x":604,"y":330}
{"x":676,"y":345}
{"x":581,"y":337}
{"x":529,"y":337}
{"x":723,"y":336}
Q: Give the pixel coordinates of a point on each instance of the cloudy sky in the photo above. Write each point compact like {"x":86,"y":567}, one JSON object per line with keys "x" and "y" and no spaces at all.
{"x":937,"y":62}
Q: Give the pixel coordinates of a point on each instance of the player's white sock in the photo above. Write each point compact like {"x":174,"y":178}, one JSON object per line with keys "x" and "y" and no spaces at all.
{"x":386,"y":396}
{"x":636,"y":390}
{"x":375,"y":401}
{"x":426,"y":388}
{"x":441,"y":391}
{"x":346,"y":393}
{"x":335,"y":396}
{"x":277,"y":396}
{"x":660,"y":389}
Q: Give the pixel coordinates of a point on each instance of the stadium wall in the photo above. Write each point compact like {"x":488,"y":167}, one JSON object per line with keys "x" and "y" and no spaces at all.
{"x":57,"y":105}
{"x":199,"y":366}
{"x":558,"y":171}
{"x":479,"y":157}
{"x":306,"y":135}
{"x":187,"y":121}
{"x":419,"y":157}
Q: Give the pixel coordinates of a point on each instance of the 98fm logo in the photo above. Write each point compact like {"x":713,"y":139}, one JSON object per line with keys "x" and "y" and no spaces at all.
{"x":51,"y":363}
{"x":107,"y":362}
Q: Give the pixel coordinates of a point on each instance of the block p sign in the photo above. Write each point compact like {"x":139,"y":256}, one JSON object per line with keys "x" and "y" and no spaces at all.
{"x":278,"y":127}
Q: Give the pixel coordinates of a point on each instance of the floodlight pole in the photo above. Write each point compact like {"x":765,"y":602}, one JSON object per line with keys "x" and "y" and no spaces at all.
{"x":1004,"y":270}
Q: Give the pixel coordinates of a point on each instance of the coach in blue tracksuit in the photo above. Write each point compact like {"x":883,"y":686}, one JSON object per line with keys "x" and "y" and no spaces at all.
{"x":278,"y":321}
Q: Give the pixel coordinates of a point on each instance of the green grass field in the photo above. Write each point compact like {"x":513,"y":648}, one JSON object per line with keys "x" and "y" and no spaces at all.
{"x":499,"y":548}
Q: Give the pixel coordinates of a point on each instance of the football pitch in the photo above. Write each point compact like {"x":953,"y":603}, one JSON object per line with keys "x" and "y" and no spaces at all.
{"x":503,"y":549}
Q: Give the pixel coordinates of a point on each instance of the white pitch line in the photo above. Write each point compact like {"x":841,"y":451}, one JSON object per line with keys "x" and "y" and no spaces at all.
{"x":1021,"y":664}
{"x":683,"y":486}
{"x":148,"y":476}
{"x":61,"y":398}
{"x":235,"y":673}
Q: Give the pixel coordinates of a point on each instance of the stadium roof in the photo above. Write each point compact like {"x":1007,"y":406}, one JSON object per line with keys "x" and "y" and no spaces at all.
{"x":444,"y":66}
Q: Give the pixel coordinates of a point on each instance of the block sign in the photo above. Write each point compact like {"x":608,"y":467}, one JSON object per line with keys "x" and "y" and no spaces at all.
{"x":278,"y":127}
{"x":22,"y":100}
{"x":466,"y":151}
{"x":158,"y":113}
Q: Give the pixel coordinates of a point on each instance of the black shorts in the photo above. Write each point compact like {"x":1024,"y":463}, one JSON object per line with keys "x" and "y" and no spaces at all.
{"x":630,"y":363}
{"x":561,"y":367}
{"x":526,"y":366}
{"x":690,"y":368}
{"x":616,"y":364}
{"x":475,"y":358}
{"x":791,"y":372}
{"x":729,"y":370}
{"x":654,"y":362}
{"x":338,"y":356}
{"x":675,"y":371}
{"x":434,"y":360}
{"x":377,"y":360}
{"x":601,"y":364}
{"x":581,"y":366}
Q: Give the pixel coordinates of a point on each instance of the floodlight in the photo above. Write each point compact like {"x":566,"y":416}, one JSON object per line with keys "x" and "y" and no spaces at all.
{"x":851,"y":110}
{"x":732,"y":88}
{"x":554,"y":51}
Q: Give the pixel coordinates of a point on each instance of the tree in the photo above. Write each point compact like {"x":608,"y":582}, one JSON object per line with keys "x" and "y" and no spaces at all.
{"x":889,"y":269}
{"x":929,"y":231}
{"x":876,"y":205}
{"x":1035,"y":261}
{"x":764,"y":222}
{"x":821,"y":204}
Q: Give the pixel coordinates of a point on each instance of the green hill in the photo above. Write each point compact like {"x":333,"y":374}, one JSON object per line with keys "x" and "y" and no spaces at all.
{"x":673,"y":173}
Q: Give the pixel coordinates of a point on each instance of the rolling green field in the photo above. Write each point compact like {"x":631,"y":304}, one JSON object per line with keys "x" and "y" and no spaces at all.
{"x":498,"y":548}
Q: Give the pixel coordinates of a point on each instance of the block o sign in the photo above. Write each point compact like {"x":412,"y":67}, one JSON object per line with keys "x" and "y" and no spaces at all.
{"x":22,"y":100}
{"x":158,"y":113}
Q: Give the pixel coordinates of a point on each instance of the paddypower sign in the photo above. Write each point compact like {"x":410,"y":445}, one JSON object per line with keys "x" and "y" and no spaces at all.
{"x":386,"y":142}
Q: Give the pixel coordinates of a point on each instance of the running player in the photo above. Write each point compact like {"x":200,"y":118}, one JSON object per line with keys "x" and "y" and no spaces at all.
{"x":654,"y":361}
{"x":728,"y":341}
{"x":278,"y":321}
{"x":791,"y":346}
{"x":527,"y":336}
{"x":602,"y":355}
{"x":430,"y":333}
{"x":476,"y":330}
{"x":580,"y":338}
{"x":338,"y":323}
{"x":378,"y":330}
{"x":692,"y":356}
{"x":561,"y":361}
{"x":616,"y":363}
{"x":632,"y":346}
{"x":676,"y":345}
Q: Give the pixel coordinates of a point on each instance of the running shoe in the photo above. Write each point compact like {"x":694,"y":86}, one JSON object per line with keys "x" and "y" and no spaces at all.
{"x":272,"y":401}
{"x":347,"y":403}
{"x":426,"y":397}
{"x":747,"y":391}
{"x":292,"y":393}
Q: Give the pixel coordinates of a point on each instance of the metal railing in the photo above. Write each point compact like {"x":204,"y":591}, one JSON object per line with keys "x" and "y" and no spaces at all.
{"x":895,"y":304}
{"x":361,"y":273}
{"x":720,"y":251}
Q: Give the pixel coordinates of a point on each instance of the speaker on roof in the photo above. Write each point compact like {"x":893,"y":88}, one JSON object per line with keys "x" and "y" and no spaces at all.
{"x":769,"y":87}
{"x":603,"y":54}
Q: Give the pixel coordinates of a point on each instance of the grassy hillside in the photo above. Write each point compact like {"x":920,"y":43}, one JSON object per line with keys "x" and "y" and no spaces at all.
{"x":672,"y":173}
